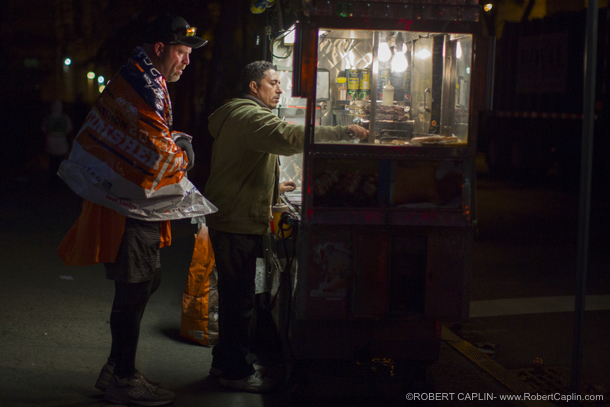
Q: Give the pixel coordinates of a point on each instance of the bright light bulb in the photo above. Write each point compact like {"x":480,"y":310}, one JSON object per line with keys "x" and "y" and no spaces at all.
{"x":384,"y":52}
{"x":458,"y":50}
{"x":90,"y":75}
{"x":101,"y":88}
{"x":424,"y":53}
{"x":399,"y":62}
{"x":100,"y":79}
{"x":488,"y":7}
{"x":67,"y":61}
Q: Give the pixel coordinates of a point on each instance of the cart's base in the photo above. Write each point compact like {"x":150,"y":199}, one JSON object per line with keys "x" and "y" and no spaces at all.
{"x":337,"y":382}
{"x":364,"y":362}
{"x":365,"y":339}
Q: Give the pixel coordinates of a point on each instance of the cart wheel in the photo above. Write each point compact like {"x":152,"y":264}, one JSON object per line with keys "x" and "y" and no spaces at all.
{"x":297,"y":384}
{"x":416,"y":376}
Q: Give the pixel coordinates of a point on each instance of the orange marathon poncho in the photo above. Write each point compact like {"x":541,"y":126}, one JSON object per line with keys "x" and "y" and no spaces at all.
{"x":96,"y":236}
{"x":125,"y":159}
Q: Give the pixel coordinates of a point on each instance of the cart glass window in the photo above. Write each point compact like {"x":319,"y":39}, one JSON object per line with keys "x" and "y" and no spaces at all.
{"x":408,"y":88}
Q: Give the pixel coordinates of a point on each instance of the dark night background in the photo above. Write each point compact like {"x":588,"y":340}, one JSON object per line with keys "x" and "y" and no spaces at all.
{"x":99,"y":36}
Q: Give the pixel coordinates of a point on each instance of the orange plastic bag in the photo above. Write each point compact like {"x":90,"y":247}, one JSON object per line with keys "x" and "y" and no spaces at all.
{"x":200,"y":298}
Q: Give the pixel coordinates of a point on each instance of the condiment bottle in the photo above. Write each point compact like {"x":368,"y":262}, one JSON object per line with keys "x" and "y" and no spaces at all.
{"x":387,"y":98}
{"x":342,"y":87}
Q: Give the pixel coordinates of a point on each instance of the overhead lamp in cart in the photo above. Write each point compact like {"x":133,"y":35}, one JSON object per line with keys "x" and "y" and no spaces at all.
{"x":423,"y":54}
{"x":385,"y":53}
{"x":399,"y":62}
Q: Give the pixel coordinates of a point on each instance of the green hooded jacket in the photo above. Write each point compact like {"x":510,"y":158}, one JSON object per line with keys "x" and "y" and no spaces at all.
{"x":243,"y":182}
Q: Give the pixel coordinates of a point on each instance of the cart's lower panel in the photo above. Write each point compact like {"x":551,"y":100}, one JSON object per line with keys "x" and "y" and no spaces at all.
{"x":364,"y":340}
{"x":352,"y":273}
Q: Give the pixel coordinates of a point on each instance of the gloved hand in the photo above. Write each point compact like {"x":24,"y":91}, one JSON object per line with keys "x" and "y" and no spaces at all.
{"x":185,"y":144}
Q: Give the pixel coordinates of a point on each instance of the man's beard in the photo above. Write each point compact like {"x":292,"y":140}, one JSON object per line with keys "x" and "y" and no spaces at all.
{"x":173,"y":78}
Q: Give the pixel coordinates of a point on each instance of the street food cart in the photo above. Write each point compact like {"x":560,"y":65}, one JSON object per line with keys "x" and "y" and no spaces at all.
{"x":383,"y":244}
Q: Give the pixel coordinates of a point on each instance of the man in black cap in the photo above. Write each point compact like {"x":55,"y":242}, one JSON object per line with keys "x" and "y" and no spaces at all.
{"x":171,"y":35}
{"x":130,"y":167}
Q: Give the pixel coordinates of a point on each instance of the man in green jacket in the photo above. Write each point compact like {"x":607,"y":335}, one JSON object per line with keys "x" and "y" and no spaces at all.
{"x":243,"y":184}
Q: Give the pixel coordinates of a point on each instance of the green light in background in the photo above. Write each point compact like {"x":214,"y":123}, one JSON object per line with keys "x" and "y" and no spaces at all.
{"x":345,"y":9}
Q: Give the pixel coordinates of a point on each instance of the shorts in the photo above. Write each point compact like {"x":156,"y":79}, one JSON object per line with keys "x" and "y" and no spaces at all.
{"x":139,"y":253}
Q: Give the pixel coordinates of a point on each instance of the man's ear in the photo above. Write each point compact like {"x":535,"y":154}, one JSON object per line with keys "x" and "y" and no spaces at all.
{"x":253,"y":87}
{"x":159,"y":48}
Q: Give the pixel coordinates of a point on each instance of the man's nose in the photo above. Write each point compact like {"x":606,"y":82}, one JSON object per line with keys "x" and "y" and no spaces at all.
{"x":186,"y":60}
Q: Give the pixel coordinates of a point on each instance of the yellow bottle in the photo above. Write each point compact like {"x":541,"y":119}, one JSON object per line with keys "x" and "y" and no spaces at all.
{"x":342,"y":87}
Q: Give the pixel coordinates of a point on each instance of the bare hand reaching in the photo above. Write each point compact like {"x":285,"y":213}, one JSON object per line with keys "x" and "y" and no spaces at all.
{"x":287,"y":186}
{"x":358,"y":132}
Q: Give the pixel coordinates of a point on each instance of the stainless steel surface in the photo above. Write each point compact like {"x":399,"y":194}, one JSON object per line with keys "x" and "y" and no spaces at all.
{"x":357,"y":49}
{"x":449,"y":86}
{"x":344,"y":49}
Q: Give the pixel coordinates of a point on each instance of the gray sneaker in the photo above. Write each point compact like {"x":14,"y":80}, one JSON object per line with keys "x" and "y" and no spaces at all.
{"x":106,"y":375}
{"x":215,"y":371}
{"x":255,"y":383}
{"x":137,"y":391}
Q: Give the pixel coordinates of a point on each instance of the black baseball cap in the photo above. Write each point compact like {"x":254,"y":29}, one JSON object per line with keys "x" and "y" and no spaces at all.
{"x":173,"y":30}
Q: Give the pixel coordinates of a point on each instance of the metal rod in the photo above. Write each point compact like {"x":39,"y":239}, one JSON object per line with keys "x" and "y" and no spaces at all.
{"x":373,"y":87}
{"x":585,"y":193}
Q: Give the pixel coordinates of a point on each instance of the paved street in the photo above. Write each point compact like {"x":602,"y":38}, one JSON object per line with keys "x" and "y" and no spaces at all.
{"x":523,"y":283}
{"x":54,"y":332}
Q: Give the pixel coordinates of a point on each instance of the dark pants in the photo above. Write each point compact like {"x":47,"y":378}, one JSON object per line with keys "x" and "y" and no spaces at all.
{"x":54,"y":163}
{"x":130,"y":300}
{"x":136,"y":273}
{"x":235,"y":256}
